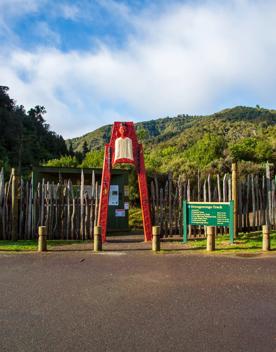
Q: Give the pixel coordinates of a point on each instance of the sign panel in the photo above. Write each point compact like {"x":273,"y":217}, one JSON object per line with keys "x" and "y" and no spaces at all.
{"x":208,"y":214}
{"x":114,"y":195}
{"x":120,"y":213}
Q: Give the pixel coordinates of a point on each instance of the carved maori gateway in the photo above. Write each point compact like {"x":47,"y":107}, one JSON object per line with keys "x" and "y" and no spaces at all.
{"x":124,"y":148}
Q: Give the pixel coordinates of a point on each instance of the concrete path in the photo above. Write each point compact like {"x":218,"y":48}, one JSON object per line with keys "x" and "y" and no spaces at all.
{"x":125,"y":243}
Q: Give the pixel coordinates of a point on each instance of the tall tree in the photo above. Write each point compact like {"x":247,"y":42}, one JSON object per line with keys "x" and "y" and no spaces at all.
{"x":85,"y":149}
{"x":26,"y":138}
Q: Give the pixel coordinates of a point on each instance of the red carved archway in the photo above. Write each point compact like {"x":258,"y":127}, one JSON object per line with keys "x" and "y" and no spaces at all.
{"x":123,"y":131}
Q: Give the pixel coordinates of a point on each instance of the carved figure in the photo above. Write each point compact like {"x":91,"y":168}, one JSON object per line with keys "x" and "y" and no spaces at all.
{"x":123,"y":145}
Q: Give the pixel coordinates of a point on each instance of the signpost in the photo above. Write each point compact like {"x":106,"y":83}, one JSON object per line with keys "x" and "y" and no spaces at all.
{"x":208,"y":214}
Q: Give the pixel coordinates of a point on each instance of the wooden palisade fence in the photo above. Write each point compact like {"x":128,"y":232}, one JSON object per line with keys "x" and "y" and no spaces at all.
{"x":68,"y":211}
{"x":256,"y":201}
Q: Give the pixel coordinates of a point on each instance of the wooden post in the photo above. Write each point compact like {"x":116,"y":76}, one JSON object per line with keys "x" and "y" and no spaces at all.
{"x":170,"y":203}
{"x":156,"y":238}
{"x":82,"y":234}
{"x":14,"y":206}
{"x":266,"y":238}
{"x":269,"y":194}
{"x":97,"y":239}
{"x":210,"y":238}
{"x":42,"y":239}
{"x":235,"y":197}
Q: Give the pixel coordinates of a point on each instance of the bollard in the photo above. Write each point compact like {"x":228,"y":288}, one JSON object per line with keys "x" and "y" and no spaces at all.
{"x":97,"y":238}
{"x":266,"y":238}
{"x":42,"y":239}
{"x":211,"y":238}
{"x":156,"y":238}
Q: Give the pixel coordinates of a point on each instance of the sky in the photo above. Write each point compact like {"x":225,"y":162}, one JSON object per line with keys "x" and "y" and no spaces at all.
{"x":92,"y":62}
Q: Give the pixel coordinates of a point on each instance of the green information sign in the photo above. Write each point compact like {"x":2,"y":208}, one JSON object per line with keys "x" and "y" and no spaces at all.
{"x":208,"y":214}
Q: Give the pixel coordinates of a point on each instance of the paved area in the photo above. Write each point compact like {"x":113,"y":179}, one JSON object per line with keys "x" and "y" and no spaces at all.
{"x":128,"y":299}
{"x":126,"y":242}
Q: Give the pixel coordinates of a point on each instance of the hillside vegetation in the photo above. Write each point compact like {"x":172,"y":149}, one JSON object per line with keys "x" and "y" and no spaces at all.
{"x":190,"y":143}
{"x":25,"y":137}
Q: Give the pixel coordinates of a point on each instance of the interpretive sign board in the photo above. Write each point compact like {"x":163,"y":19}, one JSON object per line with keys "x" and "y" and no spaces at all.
{"x":208,"y":214}
{"x":114,"y":195}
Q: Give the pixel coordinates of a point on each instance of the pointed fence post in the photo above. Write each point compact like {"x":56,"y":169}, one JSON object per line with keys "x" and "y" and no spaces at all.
{"x":14,"y":206}
{"x":235,"y":197}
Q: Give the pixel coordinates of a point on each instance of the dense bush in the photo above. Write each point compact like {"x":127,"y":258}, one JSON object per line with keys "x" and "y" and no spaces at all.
{"x":25,"y":138}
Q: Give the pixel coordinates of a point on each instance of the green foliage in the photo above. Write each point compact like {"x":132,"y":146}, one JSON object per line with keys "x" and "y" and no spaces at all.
{"x":205,"y":150}
{"x":263,"y":151}
{"x":64,"y":161}
{"x":93,"y":159}
{"x":25,"y":138}
{"x":135,"y":218}
{"x":133,"y":187}
{"x":142,"y":134}
{"x":84,"y":149}
{"x":243,"y":150}
{"x":70,"y":149}
{"x":251,"y":149}
{"x":184,"y":144}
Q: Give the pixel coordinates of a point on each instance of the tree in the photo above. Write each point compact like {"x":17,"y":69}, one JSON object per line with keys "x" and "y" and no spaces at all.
{"x":25,"y":138}
{"x":5,"y":101}
{"x":142,"y":134}
{"x":93,"y":159}
{"x":64,"y":161}
{"x":244,"y":149}
{"x":84,"y":149}
{"x":70,"y":149}
{"x":207,"y":149}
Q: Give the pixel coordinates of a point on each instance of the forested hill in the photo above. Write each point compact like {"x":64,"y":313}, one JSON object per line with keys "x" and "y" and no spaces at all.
{"x":181,"y":144}
{"x":184,"y":143}
{"x":25,"y":137}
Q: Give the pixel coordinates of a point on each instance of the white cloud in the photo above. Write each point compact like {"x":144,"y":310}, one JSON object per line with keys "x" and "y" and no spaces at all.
{"x":69,"y":12}
{"x":187,"y":59}
{"x":19,"y":7}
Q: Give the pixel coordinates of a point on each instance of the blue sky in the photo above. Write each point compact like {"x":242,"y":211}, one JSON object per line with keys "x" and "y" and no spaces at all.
{"x":93,"y":62}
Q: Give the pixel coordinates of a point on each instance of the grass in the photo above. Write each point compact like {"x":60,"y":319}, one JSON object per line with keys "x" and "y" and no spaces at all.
{"x":245,"y":243}
{"x":31,"y":245}
{"x":135,"y":218}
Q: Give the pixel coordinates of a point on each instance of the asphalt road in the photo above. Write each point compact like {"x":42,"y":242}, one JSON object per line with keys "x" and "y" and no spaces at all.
{"x":136,"y":301}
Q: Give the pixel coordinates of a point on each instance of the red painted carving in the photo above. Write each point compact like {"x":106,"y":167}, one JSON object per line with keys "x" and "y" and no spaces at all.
{"x":123,"y":131}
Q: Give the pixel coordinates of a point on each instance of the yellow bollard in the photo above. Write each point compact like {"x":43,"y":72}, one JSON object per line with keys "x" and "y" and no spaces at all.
{"x":266,"y":238}
{"x":156,"y":238}
{"x":211,"y":238}
{"x":98,"y":239}
{"x":42,"y":239}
